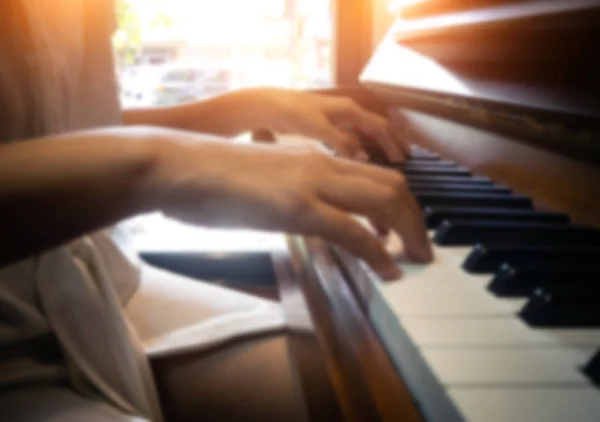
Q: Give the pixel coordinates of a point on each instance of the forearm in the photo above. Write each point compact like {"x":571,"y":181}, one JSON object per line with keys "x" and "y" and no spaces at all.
{"x":55,"y":189}
{"x":226,"y":115}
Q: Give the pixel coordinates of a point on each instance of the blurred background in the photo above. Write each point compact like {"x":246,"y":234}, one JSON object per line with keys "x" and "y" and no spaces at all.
{"x":172,"y":51}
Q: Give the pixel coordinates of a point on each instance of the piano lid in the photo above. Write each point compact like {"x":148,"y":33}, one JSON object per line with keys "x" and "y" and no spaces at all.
{"x":417,"y":9}
{"x":525,"y":68}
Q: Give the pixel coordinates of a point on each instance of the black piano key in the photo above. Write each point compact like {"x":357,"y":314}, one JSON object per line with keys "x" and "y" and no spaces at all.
{"x":436,"y":171}
{"x":432,"y":198}
{"x":487,"y":259}
{"x":414,"y":178}
{"x":418,"y":164}
{"x":522,"y":280}
{"x":592,"y":369}
{"x":432,"y":158}
{"x":563,"y":307}
{"x":463,"y":233}
{"x":435,"y":215}
{"x":456,"y":187}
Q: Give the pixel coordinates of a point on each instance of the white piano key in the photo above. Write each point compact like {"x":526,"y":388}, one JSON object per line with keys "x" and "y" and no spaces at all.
{"x":471,"y":343}
{"x":491,"y":331}
{"x":507,"y":366}
{"x":575,"y":336}
{"x":463,"y":331}
{"x":443,"y":288}
{"x":458,"y":301}
{"x":552,"y":404}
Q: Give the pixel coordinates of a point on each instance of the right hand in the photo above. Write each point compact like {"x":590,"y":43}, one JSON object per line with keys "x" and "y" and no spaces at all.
{"x":294,"y":190}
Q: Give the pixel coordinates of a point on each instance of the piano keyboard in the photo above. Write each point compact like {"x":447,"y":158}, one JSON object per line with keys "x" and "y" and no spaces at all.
{"x":505,"y":323}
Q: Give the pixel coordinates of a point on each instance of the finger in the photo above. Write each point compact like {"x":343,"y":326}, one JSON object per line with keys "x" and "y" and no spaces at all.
{"x":400,"y":142}
{"x":379,"y":228}
{"x":345,"y":143}
{"x":404,"y":216}
{"x":376,"y":227}
{"x":401,"y":134}
{"x":370,"y":171}
{"x":392,"y":206}
{"x":377,"y":129}
{"x":340,"y":228}
{"x":409,"y":223}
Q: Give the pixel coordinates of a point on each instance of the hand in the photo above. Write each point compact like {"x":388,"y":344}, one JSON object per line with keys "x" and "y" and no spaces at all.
{"x":298,"y":191}
{"x":338,"y":122}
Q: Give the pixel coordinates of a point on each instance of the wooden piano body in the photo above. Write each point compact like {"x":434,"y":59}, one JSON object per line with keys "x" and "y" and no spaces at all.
{"x":514,"y":99}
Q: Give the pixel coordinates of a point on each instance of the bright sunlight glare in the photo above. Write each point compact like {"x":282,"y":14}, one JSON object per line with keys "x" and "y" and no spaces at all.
{"x":396,"y":6}
{"x":174,"y":51}
{"x":225,"y":44}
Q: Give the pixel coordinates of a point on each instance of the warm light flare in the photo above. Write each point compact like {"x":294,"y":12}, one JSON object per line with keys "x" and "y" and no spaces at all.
{"x":283,"y":43}
{"x":396,"y":6}
{"x":234,"y":21}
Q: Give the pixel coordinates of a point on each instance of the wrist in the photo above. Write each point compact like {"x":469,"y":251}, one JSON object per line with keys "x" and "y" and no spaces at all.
{"x":182,"y":162}
{"x":154,"y":152}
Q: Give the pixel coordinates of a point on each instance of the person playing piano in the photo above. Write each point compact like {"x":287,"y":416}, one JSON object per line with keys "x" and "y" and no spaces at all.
{"x":74,"y":308}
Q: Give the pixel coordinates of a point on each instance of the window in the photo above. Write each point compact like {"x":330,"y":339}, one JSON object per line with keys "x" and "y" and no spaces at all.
{"x":178,"y":50}
{"x":173,"y":51}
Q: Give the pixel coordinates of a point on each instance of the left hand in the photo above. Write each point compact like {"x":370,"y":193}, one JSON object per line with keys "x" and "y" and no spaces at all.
{"x":338,"y":122}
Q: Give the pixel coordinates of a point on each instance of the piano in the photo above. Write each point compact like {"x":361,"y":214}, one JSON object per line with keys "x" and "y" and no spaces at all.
{"x":500,"y":101}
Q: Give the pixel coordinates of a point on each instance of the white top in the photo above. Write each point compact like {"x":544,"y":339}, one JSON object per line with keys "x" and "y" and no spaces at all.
{"x":75,"y":292}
